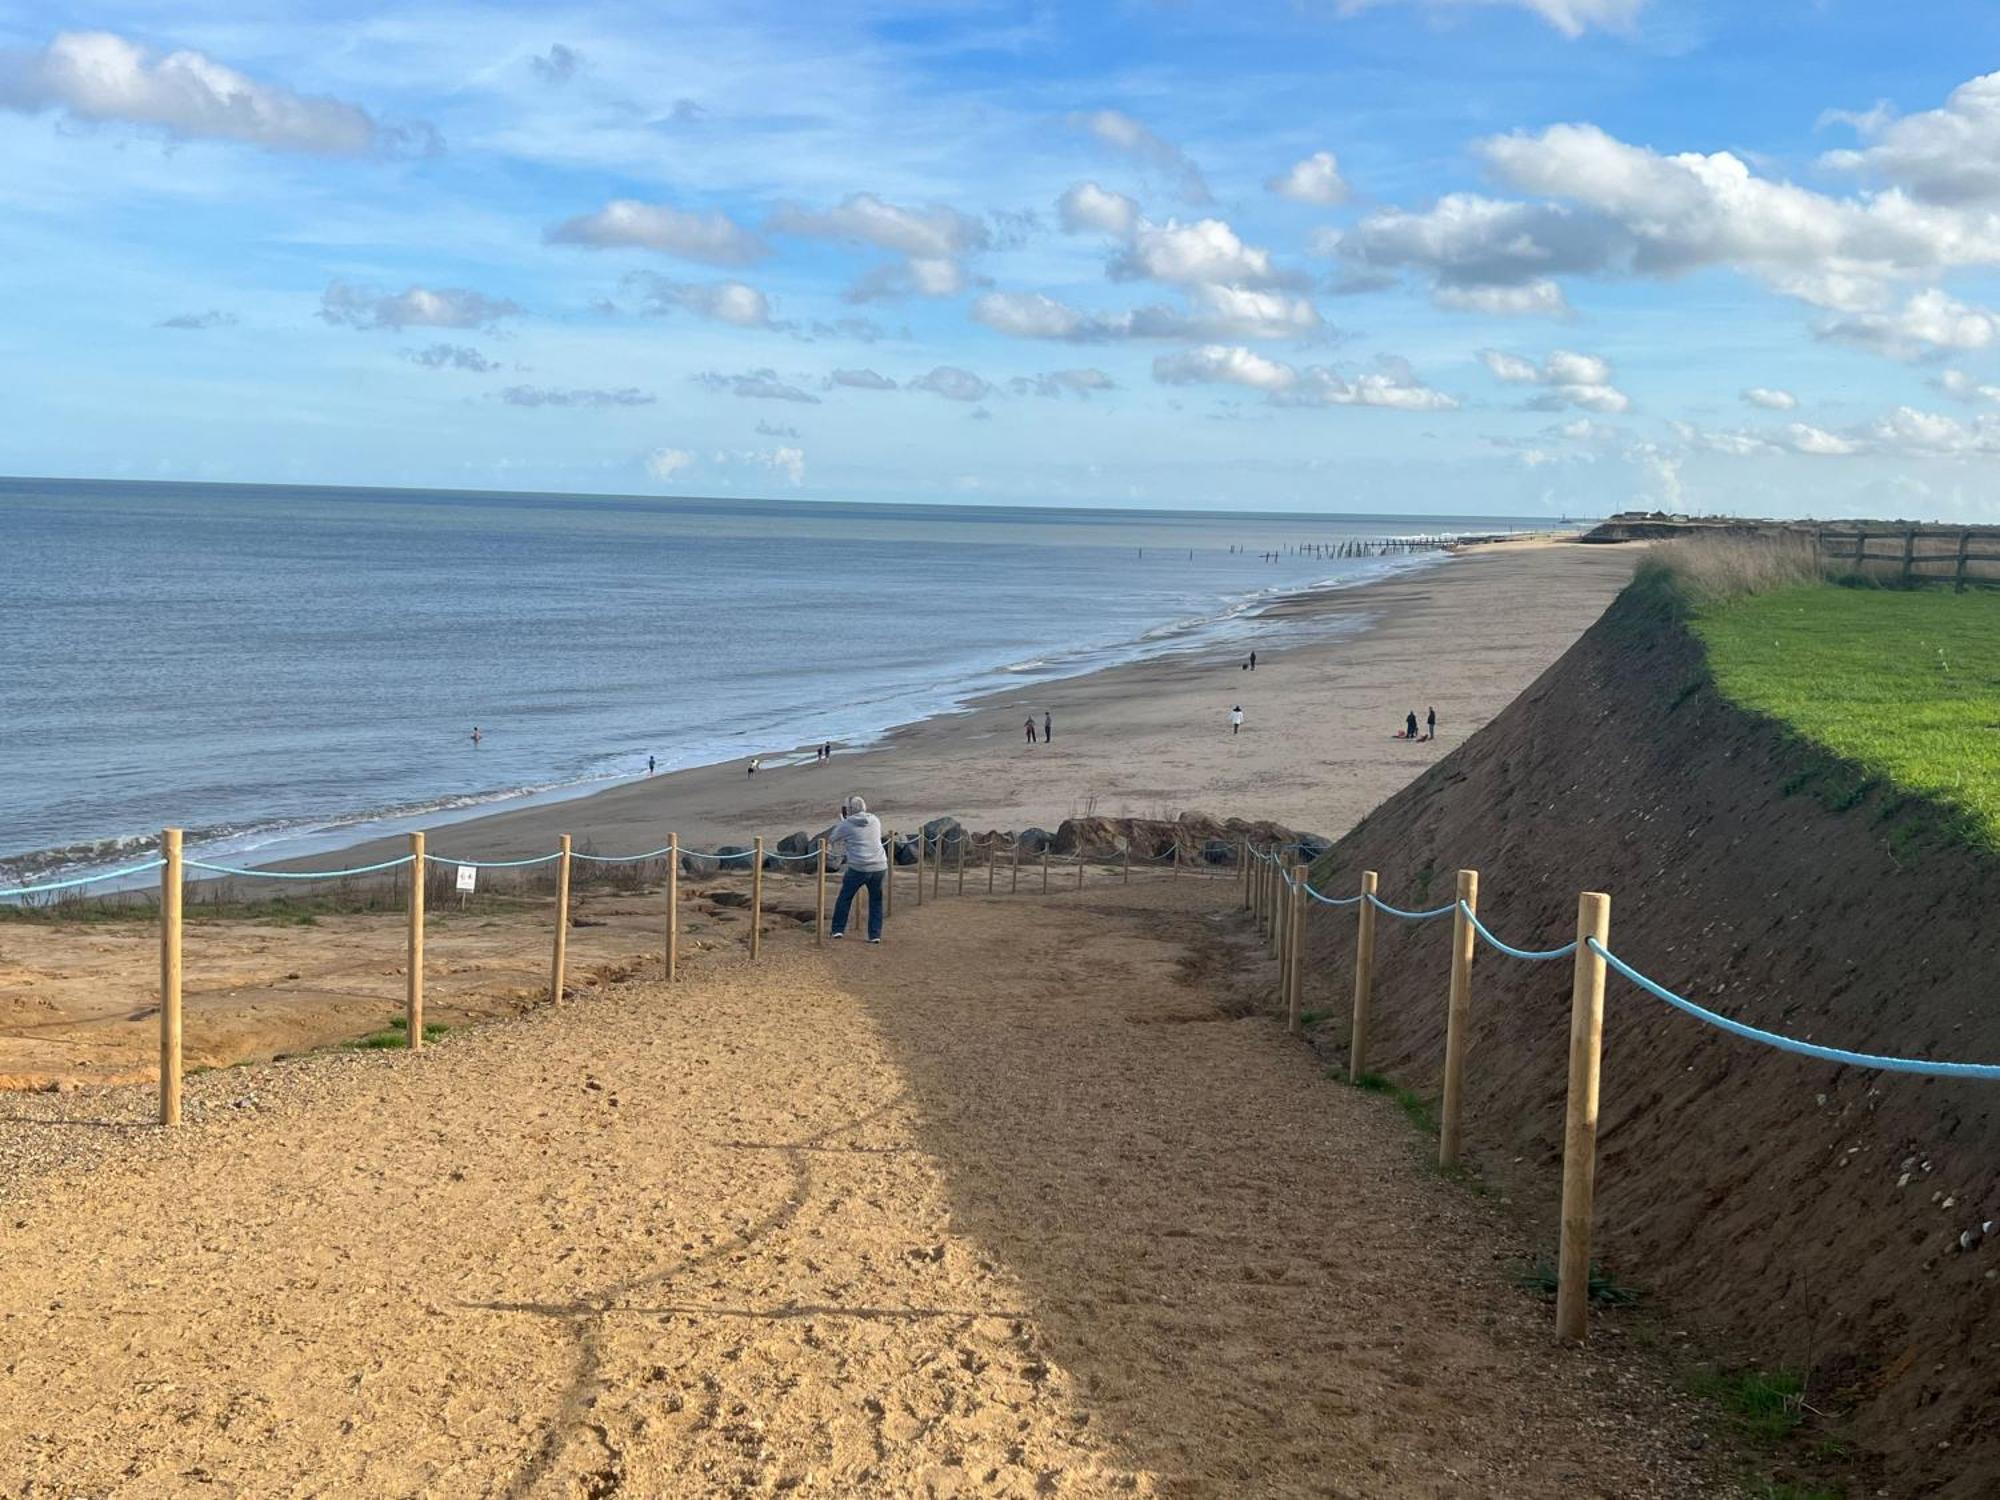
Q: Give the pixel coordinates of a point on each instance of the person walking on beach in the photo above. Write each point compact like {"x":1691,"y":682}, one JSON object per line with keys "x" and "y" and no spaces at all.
{"x":1236,"y":719}
{"x":758,"y":760}
{"x":1048,"y":730}
{"x":649,"y":765}
{"x":1253,"y":661}
{"x":1430,"y":723}
{"x":857,"y":838}
{"x":1031,"y":729}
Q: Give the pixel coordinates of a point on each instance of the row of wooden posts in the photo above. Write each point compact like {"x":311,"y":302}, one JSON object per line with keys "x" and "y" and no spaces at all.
{"x":173,"y":879}
{"x":1279,"y":907}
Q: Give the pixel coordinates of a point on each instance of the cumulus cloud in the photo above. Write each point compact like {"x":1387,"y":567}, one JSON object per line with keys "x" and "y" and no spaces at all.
{"x":790,"y":462}
{"x":348,"y":306}
{"x":1802,"y":437}
{"x":1086,"y":208}
{"x":1213,"y":312}
{"x":663,"y":464}
{"x":1771,"y":399}
{"x":213,"y":318}
{"x":1949,"y":155}
{"x":756,"y":385}
{"x":1079,"y":383}
{"x":1205,"y":253}
{"x":860,"y":380}
{"x":1929,"y":323}
{"x":452,"y":357}
{"x":861,"y":330}
{"x":712,"y":238}
{"x":932,"y":241}
{"x":1394,"y":385}
{"x":1123,"y":133}
{"x":1316,"y":179}
{"x":953,"y":383}
{"x":733,"y":302}
{"x":558,"y":65}
{"x":1541,"y":299}
{"x":1568,"y":379}
{"x":98,"y":77}
{"x":1571,"y":17}
{"x":534,"y":395}
{"x":1961,"y":386}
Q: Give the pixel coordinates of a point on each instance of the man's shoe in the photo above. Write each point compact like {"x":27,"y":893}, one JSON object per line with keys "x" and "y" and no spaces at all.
{"x":836,"y":936}
{"x":874,"y":940}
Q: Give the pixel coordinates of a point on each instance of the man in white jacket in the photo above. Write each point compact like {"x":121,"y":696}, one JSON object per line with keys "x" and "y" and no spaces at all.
{"x":857,"y":838}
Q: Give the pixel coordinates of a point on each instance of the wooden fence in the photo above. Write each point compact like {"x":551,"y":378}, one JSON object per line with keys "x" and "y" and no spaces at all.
{"x":1912,"y":554}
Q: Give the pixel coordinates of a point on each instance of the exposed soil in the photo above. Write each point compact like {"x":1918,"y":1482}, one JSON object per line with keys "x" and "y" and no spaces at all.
{"x":1804,"y":1214}
{"x":1008,"y":1206}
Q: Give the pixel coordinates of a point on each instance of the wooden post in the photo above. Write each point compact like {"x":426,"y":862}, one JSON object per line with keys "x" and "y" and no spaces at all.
{"x":1045,"y":869}
{"x":1177,"y":854}
{"x":171,"y":876}
{"x":1243,"y":868}
{"x":1128,"y":861}
{"x":1458,"y":1006}
{"x":1860,"y":547}
{"x":1277,"y":880}
{"x":1295,"y":962}
{"x":673,"y":906}
{"x":1909,"y":553}
{"x":889,"y":877}
{"x":1364,"y":977}
{"x":1586,"y":1045}
{"x":961,"y":861}
{"x":1958,"y":573}
{"x":819,"y":910}
{"x":757,"y":896}
{"x":937,"y":866}
{"x":992,"y":865}
{"x":1016,"y":886}
{"x":562,"y":925}
{"x":413,"y":997}
{"x":1079,"y":869}
{"x":920,"y":867}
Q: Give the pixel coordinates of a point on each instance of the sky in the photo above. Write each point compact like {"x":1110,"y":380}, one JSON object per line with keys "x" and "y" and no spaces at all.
{"x":1430,"y":256}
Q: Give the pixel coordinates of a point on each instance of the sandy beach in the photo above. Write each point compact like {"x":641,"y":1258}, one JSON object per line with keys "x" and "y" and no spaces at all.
{"x":1151,"y":739}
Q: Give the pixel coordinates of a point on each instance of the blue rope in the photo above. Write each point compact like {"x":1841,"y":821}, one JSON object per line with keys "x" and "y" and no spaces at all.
{"x":65,"y":885}
{"x":1788,"y":1044}
{"x":492,"y":864}
{"x":1412,"y":916}
{"x":1533,"y":955}
{"x":1331,"y":900}
{"x":387,"y":864}
{"x":621,"y":859}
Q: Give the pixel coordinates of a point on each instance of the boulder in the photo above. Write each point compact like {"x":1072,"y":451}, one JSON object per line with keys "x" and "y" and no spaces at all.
{"x":906,"y":849}
{"x":941,"y":834}
{"x":735,"y":857}
{"x":699,"y":865}
{"x":1218,"y":852}
{"x":796,"y":843}
{"x":1034,"y":840}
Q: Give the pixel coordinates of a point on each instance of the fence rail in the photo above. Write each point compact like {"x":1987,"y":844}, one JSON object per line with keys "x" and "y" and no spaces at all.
{"x":1912,"y":554}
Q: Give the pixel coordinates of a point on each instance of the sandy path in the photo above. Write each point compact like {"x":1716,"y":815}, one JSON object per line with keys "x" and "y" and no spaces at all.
{"x":927,"y":1219}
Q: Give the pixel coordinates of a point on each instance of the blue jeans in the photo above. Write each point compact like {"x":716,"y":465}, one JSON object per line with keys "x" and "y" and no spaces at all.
{"x":851,"y":881}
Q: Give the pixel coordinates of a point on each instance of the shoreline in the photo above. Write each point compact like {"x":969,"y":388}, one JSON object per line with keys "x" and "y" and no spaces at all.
{"x":1140,"y":738}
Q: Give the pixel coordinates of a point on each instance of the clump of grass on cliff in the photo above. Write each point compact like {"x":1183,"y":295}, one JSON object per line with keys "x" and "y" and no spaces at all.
{"x":1901,"y":686}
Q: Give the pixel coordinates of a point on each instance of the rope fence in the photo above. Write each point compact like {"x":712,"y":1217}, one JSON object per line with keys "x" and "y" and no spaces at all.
{"x":1277,"y":898}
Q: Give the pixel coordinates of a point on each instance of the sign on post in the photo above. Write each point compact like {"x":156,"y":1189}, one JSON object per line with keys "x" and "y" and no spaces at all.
{"x":468,"y":878}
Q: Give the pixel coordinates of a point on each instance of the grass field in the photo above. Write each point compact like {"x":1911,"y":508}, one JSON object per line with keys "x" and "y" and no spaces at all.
{"x":1903,"y":683}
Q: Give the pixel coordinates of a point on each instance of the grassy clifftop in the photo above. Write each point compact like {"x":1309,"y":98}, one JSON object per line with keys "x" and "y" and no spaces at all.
{"x":1905,"y":684}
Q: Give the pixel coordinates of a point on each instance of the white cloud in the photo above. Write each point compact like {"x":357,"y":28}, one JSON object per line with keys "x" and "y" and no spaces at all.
{"x":1122,"y":132}
{"x":1213,"y":312}
{"x":758,"y":385}
{"x":790,"y":462}
{"x":1948,"y":155}
{"x":1542,"y":299}
{"x":213,"y":318}
{"x":98,"y":77}
{"x":1770,"y":399}
{"x":931,"y":241}
{"x":452,"y":357}
{"x":860,"y":380}
{"x":1316,"y":179}
{"x":733,"y":302}
{"x":1571,"y":17}
{"x":1395,"y":385}
{"x":953,"y":383}
{"x":663,"y":464}
{"x":1961,"y":386}
{"x":1930,"y":322}
{"x":1078,"y":383}
{"x":1803,"y":437}
{"x":1206,"y":252}
{"x":711,"y":238}
{"x":1087,"y":208}
{"x":1471,"y":241}
{"x":1568,"y":379}
{"x":533,"y":395}
{"x":419,"y":307}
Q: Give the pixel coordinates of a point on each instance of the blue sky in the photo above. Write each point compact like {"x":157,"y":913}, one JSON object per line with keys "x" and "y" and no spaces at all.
{"x":1505,"y":256}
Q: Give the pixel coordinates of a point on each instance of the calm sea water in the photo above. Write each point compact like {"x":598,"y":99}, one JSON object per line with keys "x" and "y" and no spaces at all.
{"x":264,"y":665}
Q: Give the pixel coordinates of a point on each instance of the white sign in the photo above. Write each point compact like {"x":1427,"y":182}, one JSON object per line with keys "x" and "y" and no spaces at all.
{"x":467,"y":875}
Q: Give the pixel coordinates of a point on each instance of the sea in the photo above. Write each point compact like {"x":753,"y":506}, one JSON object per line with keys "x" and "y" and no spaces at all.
{"x":284,"y":669}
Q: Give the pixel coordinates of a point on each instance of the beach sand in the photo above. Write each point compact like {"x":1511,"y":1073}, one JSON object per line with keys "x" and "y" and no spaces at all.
{"x":1149,"y":739}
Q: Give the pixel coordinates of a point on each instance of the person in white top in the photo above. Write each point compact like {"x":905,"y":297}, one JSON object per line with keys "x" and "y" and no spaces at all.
{"x":1235,"y":718}
{"x":857,"y":838}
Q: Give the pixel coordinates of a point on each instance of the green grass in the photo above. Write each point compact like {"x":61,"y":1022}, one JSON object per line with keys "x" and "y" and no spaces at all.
{"x":1903,"y":686}
{"x":1764,"y":1406}
{"x":396,"y":1034}
{"x":1606,"y":1290}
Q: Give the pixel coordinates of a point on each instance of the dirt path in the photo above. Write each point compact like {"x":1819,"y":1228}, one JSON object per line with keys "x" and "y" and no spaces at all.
{"x":1005,"y":1207}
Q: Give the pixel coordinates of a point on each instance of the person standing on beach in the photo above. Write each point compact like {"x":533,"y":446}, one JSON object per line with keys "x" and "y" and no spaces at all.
{"x":649,"y":765}
{"x":1048,"y":729}
{"x":1236,"y":718}
{"x":1253,"y":661}
{"x":1031,"y":729}
{"x":1410,"y":730}
{"x":857,"y":839}
{"x":1430,"y":723}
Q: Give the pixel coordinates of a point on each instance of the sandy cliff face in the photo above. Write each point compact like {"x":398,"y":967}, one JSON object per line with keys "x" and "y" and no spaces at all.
{"x":1797,"y":1212}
